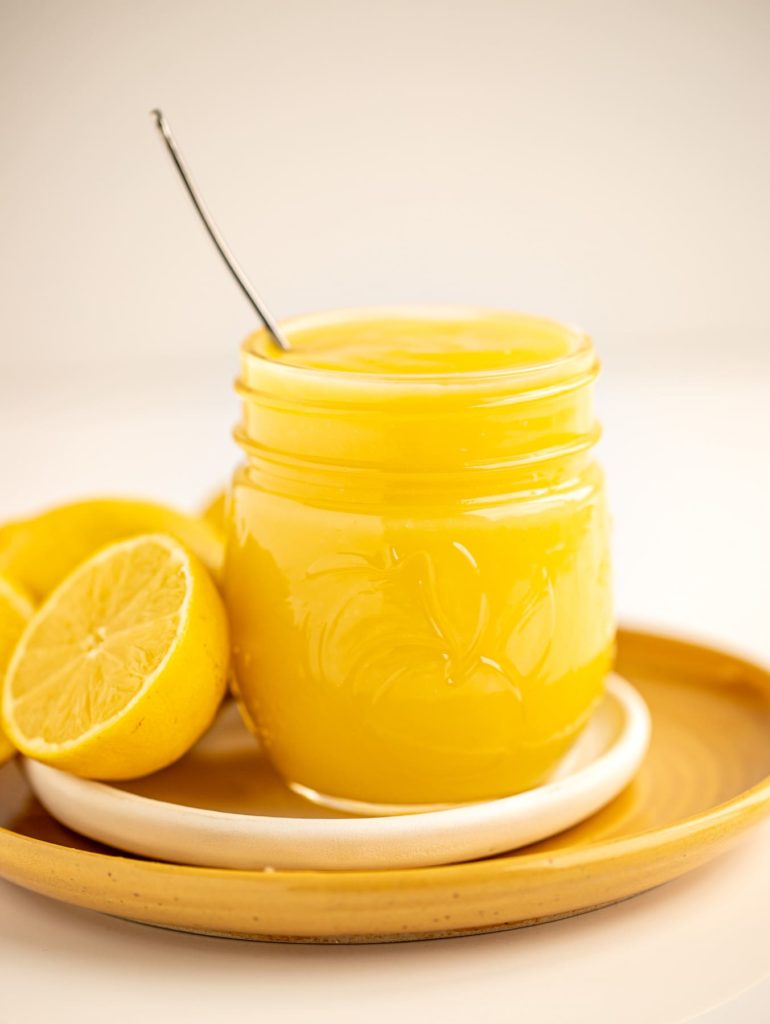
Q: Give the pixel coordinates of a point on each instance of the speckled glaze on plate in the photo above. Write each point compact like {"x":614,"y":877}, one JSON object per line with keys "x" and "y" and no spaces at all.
{"x":706,"y":779}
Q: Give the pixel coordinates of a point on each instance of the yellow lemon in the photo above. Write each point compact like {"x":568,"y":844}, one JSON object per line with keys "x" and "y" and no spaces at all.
{"x":123,"y":667}
{"x":38,"y":553}
{"x":214,"y":512}
{"x":15,"y":612}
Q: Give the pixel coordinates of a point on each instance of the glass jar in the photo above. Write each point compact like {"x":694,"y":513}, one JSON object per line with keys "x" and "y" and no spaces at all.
{"x":417,"y":567}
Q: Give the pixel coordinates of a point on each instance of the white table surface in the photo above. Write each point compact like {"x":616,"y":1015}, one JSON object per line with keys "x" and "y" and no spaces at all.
{"x":686,"y":450}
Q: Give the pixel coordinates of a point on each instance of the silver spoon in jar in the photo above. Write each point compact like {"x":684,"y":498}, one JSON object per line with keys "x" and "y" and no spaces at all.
{"x":246,"y":287}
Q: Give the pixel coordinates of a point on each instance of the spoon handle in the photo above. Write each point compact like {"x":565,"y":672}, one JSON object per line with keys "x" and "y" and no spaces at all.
{"x":246,"y":287}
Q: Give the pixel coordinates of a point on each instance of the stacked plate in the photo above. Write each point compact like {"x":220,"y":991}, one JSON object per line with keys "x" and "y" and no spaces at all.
{"x":217,"y":844}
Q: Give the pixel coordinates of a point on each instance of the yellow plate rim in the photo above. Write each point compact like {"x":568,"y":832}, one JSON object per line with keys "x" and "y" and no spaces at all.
{"x":759,"y":795}
{"x":701,"y":836}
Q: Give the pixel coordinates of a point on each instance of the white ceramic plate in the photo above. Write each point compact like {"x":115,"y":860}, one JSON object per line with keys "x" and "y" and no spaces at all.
{"x":600,"y":764}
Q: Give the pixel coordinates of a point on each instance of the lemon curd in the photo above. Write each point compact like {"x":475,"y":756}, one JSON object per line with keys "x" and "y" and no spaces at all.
{"x":417,"y":566}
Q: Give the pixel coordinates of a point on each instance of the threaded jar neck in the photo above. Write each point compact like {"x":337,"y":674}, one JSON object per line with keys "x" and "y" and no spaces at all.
{"x":374,"y":391}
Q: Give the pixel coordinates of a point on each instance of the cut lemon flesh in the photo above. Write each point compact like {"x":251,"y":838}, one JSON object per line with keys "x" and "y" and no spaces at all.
{"x":123,"y":667}
{"x":39,"y":552}
{"x":16,"y":609}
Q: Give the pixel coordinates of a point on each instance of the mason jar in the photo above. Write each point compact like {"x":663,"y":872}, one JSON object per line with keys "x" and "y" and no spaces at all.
{"x":417,"y":568}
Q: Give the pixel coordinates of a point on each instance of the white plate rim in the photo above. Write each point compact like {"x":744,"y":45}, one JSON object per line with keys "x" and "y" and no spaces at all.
{"x":222,"y":839}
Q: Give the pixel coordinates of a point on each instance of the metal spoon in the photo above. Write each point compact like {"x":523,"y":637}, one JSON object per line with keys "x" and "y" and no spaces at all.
{"x":246,"y":287}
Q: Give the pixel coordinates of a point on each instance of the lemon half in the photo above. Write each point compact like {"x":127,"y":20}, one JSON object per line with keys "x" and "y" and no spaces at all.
{"x":123,"y":667}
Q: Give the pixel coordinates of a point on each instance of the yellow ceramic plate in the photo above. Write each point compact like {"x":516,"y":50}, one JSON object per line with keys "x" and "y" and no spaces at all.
{"x":705,"y":780}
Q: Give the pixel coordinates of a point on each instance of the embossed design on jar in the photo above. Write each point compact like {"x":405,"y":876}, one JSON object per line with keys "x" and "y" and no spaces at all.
{"x":405,"y":633}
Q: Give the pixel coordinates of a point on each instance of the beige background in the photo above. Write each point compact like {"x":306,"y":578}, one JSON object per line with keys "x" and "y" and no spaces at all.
{"x":606,"y":163}
{"x":600,"y":161}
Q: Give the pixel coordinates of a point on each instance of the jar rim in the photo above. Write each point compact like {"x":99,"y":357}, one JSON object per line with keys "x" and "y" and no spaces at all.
{"x":259,"y":347}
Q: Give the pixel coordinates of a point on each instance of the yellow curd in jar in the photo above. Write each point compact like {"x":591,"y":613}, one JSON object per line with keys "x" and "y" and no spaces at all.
{"x":417,"y":566}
